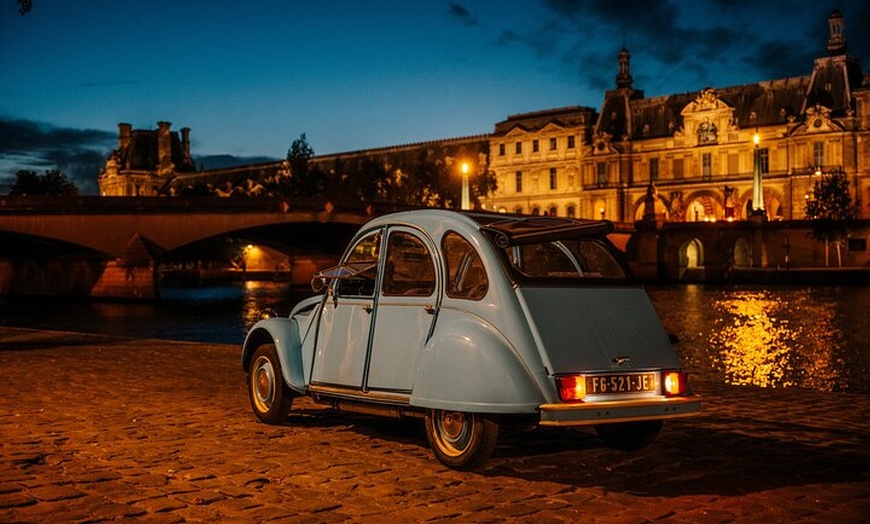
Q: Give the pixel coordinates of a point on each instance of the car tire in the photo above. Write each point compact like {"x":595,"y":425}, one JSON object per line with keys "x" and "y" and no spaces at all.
{"x":270,"y":397}
{"x":629,"y":436}
{"x":461,"y":441}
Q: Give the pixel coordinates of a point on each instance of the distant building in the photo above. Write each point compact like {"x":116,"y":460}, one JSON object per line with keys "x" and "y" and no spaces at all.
{"x":695,"y":152}
{"x":146,"y":161}
{"x":681,"y":157}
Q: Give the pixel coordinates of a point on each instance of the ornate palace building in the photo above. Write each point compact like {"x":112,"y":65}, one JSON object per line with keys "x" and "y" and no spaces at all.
{"x":145,"y":161}
{"x":683,"y":157}
{"x":694,"y":153}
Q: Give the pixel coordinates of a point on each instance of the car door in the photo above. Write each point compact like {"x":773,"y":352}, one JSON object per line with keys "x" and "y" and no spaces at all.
{"x":345,"y":322}
{"x":406,"y":309}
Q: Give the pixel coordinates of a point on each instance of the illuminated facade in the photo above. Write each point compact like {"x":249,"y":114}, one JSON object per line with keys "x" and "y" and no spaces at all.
{"x":694,"y":153}
{"x":146,"y":161}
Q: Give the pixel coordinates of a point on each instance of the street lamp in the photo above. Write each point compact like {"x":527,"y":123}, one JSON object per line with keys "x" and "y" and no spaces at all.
{"x":466,"y":198}
{"x":757,"y":193}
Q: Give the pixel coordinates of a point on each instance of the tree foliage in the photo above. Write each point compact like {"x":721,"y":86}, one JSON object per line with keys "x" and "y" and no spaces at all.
{"x":830,"y":208}
{"x":426,"y":176}
{"x":52,"y":183}
{"x":305,"y":178}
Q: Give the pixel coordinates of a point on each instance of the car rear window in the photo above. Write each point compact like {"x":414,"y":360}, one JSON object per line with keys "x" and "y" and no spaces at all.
{"x":565,"y":259}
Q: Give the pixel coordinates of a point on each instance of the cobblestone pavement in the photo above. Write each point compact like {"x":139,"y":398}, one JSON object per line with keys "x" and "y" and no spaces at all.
{"x":95,"y":429}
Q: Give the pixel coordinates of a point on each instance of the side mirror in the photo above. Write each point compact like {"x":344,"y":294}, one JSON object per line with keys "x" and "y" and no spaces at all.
{"x":318,"y":284}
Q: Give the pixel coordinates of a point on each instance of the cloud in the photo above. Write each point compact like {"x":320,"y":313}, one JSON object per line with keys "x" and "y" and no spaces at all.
{"x":461,"y":13}
{"x":713,"y":43}
{"x":80,"y":153}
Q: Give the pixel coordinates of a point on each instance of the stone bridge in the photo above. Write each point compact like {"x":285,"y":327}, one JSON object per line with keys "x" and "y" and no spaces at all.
{"x":111,"y":247}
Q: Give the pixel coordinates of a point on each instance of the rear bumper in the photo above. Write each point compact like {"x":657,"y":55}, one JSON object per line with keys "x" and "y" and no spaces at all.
{"x":586,"y":414}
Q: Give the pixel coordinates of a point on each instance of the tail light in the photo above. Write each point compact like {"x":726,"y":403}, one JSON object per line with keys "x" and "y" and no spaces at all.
{"x":675,"y":383}
{"x":572,"y":388}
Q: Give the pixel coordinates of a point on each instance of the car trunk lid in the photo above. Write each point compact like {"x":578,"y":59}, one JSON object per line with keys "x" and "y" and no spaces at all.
{"x":596,"y":329}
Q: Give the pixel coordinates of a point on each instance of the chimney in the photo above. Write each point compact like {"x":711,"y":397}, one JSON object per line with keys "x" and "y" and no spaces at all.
{"x":124,"y":134}
{"x":185,"y":141}
{"x":164,"y":144}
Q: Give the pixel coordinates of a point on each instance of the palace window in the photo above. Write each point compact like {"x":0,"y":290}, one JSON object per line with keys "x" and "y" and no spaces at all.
{"x":553,"y":144}
{"x":818,"y":154}
{"x":601,"y":168}
{"x":764,"y":160}
{"x":570,"y":141}
{"x":653,"y":169}
{"x":571,"y":211}
{"x":536,"y":211}
{"x":706,"y":166}
{"x":552,"y":178}
{"x":518,"y":148}
{"x":501,"y":149}
{"x":553,"y":211}
{"x":519,"y":181}
{"x":535,"y":145}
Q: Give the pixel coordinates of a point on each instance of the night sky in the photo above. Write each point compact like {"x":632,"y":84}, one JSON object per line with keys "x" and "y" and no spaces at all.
{"x":249,"y":77}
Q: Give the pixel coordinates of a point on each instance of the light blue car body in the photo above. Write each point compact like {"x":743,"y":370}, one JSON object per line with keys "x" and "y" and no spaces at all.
{"x":499,"y":354}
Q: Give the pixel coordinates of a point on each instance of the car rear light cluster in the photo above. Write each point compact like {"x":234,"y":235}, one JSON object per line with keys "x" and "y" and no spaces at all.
{"x":572,"y":388}
{"x":675,"y":383}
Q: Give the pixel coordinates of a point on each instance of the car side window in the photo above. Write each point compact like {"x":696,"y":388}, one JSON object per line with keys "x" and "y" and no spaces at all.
{"x":466,"y":276}
{"x":409,"y":269}
{"x":367,"y":250}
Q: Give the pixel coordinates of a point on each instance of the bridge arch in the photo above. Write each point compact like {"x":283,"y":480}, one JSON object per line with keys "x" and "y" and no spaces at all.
{"x":691,"y":254}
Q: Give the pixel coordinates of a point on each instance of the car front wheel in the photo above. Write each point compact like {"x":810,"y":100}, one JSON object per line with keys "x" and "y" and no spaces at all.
{"x":629,"y":436}
{"x":461,"y":440}
{"x":270,"y":398}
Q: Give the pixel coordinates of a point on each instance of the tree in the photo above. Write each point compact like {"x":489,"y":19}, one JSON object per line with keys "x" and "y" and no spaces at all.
{"x":52,"y":183}
{"x":303,"y":178}
{"x":830,"y":208}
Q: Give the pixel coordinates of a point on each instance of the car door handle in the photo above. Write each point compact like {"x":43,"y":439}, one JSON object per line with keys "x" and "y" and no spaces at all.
{"x":429,"y":309}
{"x":367,"y":308}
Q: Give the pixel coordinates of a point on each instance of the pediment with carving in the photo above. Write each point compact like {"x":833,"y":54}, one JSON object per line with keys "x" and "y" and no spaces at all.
{"x":602,"y":143}
{"x":707,"y":119}
{"x":818,"y":120}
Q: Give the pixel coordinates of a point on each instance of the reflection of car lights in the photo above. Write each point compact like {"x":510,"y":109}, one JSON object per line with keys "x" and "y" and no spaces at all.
{"x":675,"y":383}
{"x":571,"y":388}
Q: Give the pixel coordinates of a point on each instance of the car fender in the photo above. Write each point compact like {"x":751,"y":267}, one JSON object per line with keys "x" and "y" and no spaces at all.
{"x":284,"y":334}
{"x":468,"y":365}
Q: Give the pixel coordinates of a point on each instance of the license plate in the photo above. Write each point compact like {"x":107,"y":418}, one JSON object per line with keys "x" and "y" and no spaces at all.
{"x":627,"y":383}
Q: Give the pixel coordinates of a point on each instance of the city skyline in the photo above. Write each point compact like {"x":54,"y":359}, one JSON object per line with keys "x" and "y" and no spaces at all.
{"x":248,"y":80}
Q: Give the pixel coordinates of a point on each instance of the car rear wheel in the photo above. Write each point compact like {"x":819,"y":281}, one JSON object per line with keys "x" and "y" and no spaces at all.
{"x":461,"y":440}
{"x":270,"y":398}
{"x":629,"y":436}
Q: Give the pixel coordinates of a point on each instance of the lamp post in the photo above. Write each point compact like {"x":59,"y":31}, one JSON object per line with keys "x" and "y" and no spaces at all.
{"x":466,"y":198}
{"x":757,"y":193}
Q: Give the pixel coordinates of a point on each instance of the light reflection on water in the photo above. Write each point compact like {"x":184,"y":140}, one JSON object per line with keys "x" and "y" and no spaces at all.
{"x":802,"y":336}
{"x":810,"y":337}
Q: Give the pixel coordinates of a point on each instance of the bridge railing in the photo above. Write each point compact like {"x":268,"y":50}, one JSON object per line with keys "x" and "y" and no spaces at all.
{"x":126,"y":205}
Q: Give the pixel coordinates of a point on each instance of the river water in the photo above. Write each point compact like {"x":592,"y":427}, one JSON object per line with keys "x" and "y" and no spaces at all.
{"x":784,"y":336}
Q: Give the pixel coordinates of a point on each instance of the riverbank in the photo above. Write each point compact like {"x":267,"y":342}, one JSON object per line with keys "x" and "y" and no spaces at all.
{"x":111,"y":428}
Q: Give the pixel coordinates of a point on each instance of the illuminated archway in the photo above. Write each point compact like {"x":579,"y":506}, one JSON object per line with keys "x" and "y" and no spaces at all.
{"x":704,"y":207}
{"x":692,"y":254}
{"x":661,"y":209}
